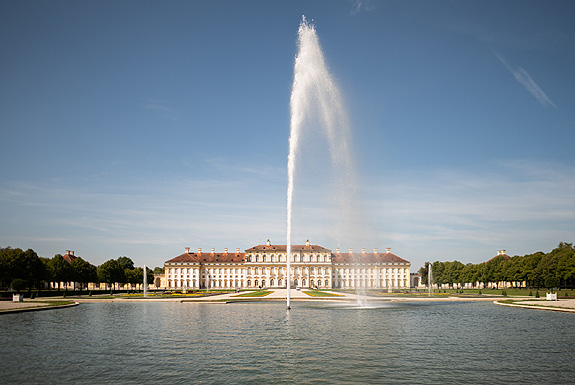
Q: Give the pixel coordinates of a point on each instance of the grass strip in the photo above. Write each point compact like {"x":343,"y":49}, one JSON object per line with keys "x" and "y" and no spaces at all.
{"x":259,"y":293}
{"x":319,"y":293}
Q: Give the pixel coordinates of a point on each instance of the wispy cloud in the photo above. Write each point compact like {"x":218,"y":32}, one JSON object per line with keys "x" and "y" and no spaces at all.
{"x":161,"y":109}
{"x":520,"y":206}
{"x":523,"y":77}
{"x":359,"y":6}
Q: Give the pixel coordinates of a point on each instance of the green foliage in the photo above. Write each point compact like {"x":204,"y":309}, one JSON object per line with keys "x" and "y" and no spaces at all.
{"x":24,"y":265}
{"x":537,"y":294}
{"x":111,"y":272}
{"x":18,"y":284}
{"x":83,"y":272}
{"x":125,"y":263}
{"x":534,"y":269}
{"x":551,"y":282}
{"x":60,"y":270}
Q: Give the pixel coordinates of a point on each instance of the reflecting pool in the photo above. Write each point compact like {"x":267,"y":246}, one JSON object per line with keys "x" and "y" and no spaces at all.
{"x":314,"y":343}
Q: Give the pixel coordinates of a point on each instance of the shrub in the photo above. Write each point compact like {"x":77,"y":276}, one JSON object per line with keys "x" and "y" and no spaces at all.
{"x":18,"y":284}
{"x":479,"y":292}
{"x":90,"y":293}
{"x":537,"y":294}
{"x":530,"y":293}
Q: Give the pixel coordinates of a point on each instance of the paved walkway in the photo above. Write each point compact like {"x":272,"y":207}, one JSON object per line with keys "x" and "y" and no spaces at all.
{"x":566,"y":305}
{"x":296,"y":295}
{"x":30,"y":305}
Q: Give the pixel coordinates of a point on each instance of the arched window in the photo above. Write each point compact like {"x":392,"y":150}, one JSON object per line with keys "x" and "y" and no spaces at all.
{"x":249,"y":283}
{"x":256,"y":283}
{"x":272,"y":258}
{"x":249,"y":270}
{"x":263,"y":258}
{"x":327,"y":283}
{"x":311,"y":282}
{"x":271,"y":282}
{"x":279,"y":282}
{"x":256,"y":271}
{"x":257,"y":257}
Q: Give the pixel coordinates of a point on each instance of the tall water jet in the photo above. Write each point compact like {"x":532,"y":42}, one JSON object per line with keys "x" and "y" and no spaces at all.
{"x":429,"y":279}
{"x":145,"y":282}
{"x":316,"y":106}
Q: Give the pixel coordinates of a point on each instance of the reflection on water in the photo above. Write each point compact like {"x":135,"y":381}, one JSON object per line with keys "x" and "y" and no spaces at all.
{"x":323,"y":343}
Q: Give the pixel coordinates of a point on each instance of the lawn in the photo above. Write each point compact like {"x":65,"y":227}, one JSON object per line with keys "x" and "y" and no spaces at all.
{"x":259,"y":293}
{"x":319,"y":293}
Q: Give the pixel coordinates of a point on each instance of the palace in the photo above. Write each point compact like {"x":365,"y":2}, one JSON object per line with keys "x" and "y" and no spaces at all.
{"x":265,"y":266}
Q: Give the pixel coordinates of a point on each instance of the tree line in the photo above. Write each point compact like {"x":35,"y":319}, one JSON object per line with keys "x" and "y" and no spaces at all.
{"x":538,"y":270}
{"x":21,"y":269}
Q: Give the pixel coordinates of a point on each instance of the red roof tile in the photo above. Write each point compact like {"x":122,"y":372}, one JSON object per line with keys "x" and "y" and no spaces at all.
{"x":283,"y":248}
{"x":208,"y":257}
{"x":367,"y":258}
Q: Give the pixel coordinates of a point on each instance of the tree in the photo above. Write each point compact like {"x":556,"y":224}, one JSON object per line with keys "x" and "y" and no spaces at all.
{"x":551,"y":282}
{"x":83,"y":271}
{"x":24,"y":265}
{"x":110,"y":272}
{"x":60,"y":270}
{"x":125,"y":263}
{"x":134,"y":276}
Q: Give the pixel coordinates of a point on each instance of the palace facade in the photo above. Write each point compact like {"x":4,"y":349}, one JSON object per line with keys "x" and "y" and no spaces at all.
{"x":265,"y":266}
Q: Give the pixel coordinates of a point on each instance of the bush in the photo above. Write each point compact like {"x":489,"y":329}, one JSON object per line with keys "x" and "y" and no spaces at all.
{"x":18,"y":284}
{"x":90,"y":293}
{"x":537,"y":294}
{"x":479,"y":292}
{"x":530,"y":293}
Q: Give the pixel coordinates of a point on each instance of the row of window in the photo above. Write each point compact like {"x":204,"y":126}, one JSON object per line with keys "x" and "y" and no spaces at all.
{"x":339,"y":283}
{"x":281,"y":270}
{"x":282,"y":258}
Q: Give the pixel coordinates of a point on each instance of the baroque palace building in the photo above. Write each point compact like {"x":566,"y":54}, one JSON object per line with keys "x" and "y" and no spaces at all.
{"x":265,"y":266}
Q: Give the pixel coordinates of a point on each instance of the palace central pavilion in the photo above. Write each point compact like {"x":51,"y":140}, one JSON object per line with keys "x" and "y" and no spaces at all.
{"x":265,"y":266}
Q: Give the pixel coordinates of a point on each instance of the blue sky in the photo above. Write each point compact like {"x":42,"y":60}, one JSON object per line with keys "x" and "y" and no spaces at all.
{"x":138,"y":128}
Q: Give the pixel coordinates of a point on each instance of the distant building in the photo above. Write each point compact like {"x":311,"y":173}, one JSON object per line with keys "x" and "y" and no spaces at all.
{"x":69,"y":256}
{"x":265,"y":266}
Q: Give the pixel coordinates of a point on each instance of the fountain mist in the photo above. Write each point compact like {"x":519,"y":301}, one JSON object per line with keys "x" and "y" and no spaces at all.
{"x":316,"y":106}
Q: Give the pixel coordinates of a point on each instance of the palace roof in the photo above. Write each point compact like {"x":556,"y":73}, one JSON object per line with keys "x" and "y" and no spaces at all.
{"x":283,"y":248}
{"x":367,"y":258}
{"x":208,"y":257}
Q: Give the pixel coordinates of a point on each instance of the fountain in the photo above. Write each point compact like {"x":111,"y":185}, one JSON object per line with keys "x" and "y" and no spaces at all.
{"x":316,"y":107}
{"x":429,"y":279}
{"x":145,"y":282}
